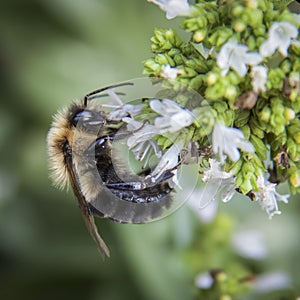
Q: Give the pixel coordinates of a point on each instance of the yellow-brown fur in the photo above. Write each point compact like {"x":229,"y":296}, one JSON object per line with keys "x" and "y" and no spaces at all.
{"x":61,"y":137}
{"x":59,"y":133}
{"x":63,"y":131}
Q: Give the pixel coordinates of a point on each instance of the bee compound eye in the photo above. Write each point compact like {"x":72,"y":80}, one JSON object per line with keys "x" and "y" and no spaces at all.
{"x":82,"y":115}
{"x":88,"y":120}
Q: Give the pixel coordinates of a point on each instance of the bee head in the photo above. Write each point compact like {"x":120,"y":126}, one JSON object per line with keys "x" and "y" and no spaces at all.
{"x":87,"y":119}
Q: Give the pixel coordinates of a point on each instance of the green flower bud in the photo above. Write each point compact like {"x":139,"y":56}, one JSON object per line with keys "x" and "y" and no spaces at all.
{"x":233,"y":78}
{"x":241,"y":117}
{"x":178,"y":59}
{"x":236,"y":167}
{"x":275,"y":79}
{"x":247,"y":168}
{"x":164,"y":59}
{"x":291,"y":149}
{"x":151,"y":67}
{"x":256,"y":130}
{"x":289,"y":114}
{"x":281,"y":4}
{"x":205,"y":120}
{"x":277,"y":106}
{"x":239,"y":26}
{"x":265,"y":114}
{"x":220,"y":36}
{"x":251,"y":42}
{"x":294,"y":96}
{"x":173,"y":52}
{"x":259,"y":30}
{"x":238,"y":10}
{"x":197,"y":82}
{"x":277,"y":122}
{"x":263,"y":5}
{"x":231,"y":92}
{"x":246,"y":130}
{"x":286,"y":66}
{"x":212,"y":78}
{"x":297,"y":137}
{"x":197,"y":64}
{"x":251,"y":3}
{"x":215,"y":92}
{"x":221,"y":277}
{"x":260,"y":147}
{"x":255,"y":18}
{"x":258,"y":163}
{"x":295,"y":48}
{"x":200,"y":35}
{"x":225,"y":297}
{"x":187,"y":72}
{"x":295,"y":179}
{"x":196,"y":23}
{"x":245,"y":182}
{"x":165,"y":40}
{"x":259,"y":41}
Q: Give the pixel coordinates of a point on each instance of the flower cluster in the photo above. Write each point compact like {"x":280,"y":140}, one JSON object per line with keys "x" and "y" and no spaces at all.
{"x":243,"y":57}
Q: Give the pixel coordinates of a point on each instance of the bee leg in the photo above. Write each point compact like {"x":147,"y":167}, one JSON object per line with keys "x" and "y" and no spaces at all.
{"x":140,"y":185}
{"x":97,"y":147}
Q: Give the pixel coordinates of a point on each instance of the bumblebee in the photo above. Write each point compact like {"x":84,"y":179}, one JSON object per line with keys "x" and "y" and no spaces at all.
{"x":81,"y":156}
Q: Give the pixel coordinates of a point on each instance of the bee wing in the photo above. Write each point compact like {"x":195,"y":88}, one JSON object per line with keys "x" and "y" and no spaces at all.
{"x":86,"y":213}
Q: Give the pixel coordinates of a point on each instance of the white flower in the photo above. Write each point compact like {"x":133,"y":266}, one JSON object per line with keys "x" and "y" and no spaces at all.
{"x":219,"y":180}
{"x":168,"y":162}
{"x":169,"y":73}
{"x":272,"y":281}
{"x":268,"y":196}
{"x":280,"y":37}
{"x":294,"y":79}
{"x":250,"y":244}
{"x":116,"y":101}
{"x":140,"y":132}
{"x":125,"y":111}
{"x":218,"y":183}
{"x":259,"y":75}
{"x":141,"y":142}
{"x":208,"y":213}
{"x":205,"y":52}
{"x":190,"y":154}
{"x":173,"y":117}
{"x":144,"y":150}
{"x":215,"y":172}
{"x":174,"y":8}
{"x":236,"y":56}
{"x":226,"y":141}
{"x":204,"y":281}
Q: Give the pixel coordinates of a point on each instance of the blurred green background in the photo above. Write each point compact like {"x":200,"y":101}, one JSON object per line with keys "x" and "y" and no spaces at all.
{"x":52,"y":52}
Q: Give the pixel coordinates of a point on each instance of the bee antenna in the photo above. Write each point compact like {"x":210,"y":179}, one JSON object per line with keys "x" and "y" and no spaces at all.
{"x":90,"y":95}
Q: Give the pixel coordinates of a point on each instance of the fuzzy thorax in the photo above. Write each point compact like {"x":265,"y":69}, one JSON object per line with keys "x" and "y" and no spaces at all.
{"x":60,"y":133}
{"x":64,"y":139}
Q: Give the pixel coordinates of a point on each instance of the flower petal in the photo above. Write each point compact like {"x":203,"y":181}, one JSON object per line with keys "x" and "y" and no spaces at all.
{"x":226,"y":141}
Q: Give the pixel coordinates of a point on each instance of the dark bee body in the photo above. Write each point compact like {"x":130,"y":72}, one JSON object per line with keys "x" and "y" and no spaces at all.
{"x":138,"y":192}
{"x":80,"y":151}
